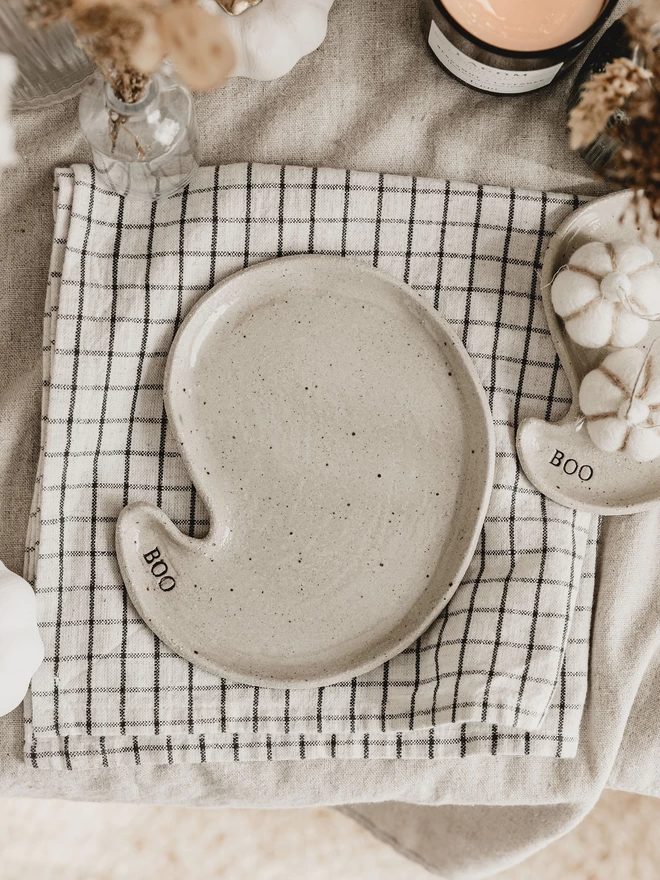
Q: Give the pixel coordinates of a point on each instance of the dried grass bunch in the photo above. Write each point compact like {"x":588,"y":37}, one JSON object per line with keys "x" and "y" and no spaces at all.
{"x":632,"y":87}
{"x":128,"y":40}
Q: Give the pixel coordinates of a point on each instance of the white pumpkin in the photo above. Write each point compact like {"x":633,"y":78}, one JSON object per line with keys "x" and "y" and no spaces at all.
{"x":7,"y":79}
{"x":622,"y":407}
{"x":21,"y":648}
{"x":271,"y":37}
{"x":607,"y":293}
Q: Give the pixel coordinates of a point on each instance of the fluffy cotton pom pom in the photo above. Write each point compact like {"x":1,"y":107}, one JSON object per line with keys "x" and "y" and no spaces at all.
{"x":622,"y":407}
{"x":606,"y":294}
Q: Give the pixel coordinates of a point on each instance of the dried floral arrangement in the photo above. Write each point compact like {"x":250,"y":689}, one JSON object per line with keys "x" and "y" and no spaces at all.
{"x":129,"y":39}
{"x":631,"y":86}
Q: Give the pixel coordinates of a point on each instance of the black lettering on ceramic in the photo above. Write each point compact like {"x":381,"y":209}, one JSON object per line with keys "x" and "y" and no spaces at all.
{"x":159,"y":569}
{"x":557,"y":458}
{"x":588,"y":473}
{"x":570,"y":466}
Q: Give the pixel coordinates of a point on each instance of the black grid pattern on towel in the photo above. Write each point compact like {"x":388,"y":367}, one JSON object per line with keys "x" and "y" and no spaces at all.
{"x":504,"y":668}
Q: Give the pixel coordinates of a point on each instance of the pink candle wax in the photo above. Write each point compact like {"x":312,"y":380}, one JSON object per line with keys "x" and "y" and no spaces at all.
{"x":525,"y":25}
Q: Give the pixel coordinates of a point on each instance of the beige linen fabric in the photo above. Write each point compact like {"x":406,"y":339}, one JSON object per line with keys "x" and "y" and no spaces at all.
{"x":371,"y":98}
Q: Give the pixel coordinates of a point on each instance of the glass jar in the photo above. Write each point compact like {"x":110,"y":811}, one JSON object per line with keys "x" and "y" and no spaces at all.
{"x":147,"y":149}
{"x":488,"y":68}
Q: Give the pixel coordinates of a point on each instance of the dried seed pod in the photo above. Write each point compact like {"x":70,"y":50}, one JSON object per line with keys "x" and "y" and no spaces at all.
{"x":601,"y":97}
{"x":198,"y":45}
{"x":148,"y":51}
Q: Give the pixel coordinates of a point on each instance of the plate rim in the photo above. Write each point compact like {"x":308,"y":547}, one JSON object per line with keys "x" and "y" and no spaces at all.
{"x":487,"y":429}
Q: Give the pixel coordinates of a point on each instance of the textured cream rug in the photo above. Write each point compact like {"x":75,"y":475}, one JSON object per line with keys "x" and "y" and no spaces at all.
{"x":56,"y":840}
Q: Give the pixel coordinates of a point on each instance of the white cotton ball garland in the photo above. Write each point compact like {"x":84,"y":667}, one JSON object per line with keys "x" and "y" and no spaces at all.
{"x":606,"y":294}
{"x":620,"y":400}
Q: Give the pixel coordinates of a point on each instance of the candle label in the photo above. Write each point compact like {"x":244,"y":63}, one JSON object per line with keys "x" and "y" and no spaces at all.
{"x":482,"y":76}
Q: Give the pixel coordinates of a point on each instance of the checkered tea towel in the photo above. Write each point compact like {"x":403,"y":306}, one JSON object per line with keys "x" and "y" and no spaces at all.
{"x":502,"y":670}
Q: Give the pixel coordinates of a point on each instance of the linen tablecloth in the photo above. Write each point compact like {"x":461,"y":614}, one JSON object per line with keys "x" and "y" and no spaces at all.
{"x":371,"y":98}
{"x":504,"y":668}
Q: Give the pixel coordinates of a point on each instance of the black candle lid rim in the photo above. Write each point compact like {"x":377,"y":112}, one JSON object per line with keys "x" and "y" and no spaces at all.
{"x":554,"y":52}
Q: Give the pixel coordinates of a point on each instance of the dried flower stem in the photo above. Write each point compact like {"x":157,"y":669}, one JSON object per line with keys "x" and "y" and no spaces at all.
{"x":627,"y":86}
{"x":602,"y":96}
{"x":128,"y":40}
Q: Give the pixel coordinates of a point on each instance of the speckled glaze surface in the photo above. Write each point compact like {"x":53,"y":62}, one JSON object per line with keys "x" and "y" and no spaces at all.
{"x":339,"y":435}
{"x":559,"y":460}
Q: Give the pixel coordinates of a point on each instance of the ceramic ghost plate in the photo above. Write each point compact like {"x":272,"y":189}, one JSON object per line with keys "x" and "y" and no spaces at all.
{"x":559,"y":460}
{"x":340,"y":438}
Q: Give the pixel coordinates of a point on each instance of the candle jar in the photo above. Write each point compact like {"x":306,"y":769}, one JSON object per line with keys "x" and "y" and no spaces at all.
{"x":503,"y":71}
{"x":146,"y":149}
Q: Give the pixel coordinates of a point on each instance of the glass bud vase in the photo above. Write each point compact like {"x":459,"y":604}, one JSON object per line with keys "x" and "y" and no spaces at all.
{"x":147,"y":149}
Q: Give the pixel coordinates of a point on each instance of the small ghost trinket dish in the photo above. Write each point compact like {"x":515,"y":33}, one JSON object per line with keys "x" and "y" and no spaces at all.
{"x":600,"y":286}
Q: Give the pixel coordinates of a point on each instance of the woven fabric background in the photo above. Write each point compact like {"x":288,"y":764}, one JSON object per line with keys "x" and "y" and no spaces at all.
{"x":504,"y":668}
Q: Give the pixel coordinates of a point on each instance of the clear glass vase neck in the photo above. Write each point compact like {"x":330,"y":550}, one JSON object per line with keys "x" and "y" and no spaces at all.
{"x":134,"y":108}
